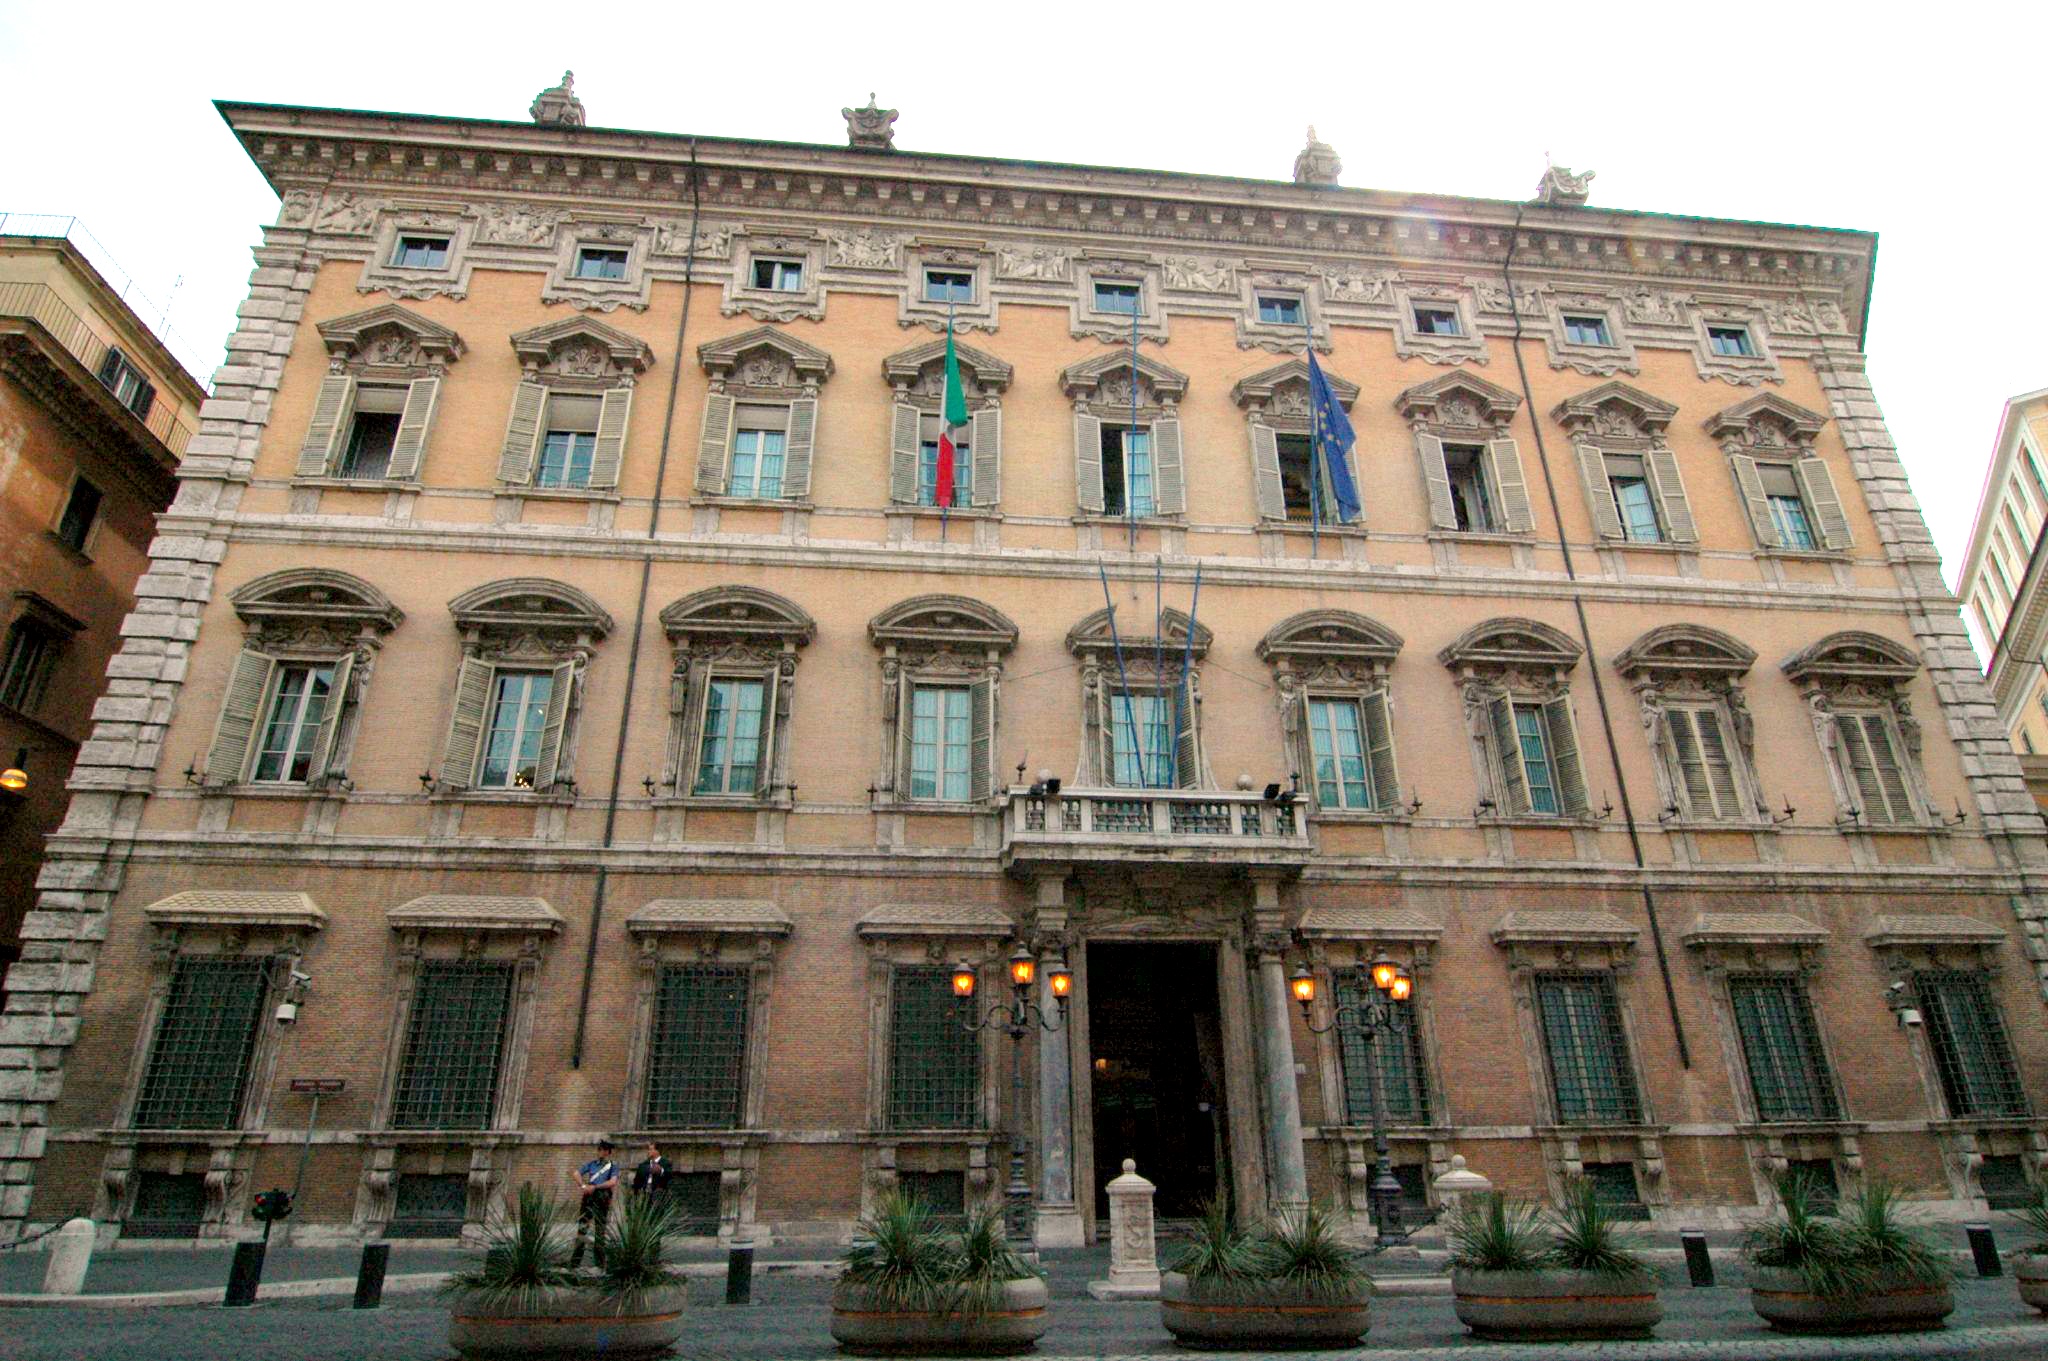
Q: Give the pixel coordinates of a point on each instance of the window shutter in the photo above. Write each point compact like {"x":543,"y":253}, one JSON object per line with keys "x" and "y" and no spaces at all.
{"x":1294,"y":725}
{"x":906,"y":722}
{"x":247,"y":685}
{"x":796,"y":461}
{"x":1692,"y":772}
{"x":1564,"y":754}
{"x":699,"y":701}
{"x":905,"y":425}
{"x":767,"y":769}
{"x":986,"y":433}
{"x":1379,"y":751}
{"x":1507,"y":747}
{"x":678,"y":731}
{"x":1087,"y":461}
{"x":1720,"y":763}
{"x":144,"y":398}
{"x":466,"y":724}
{"x":1599,"y":492}
{"x":1752,"y":487}
{"x":1437,"y":479}
{"x":330,"y":721}
{"x":1187,"y":759}
{"x":522,"y":434}
{"x":1819,"y":485}
{"x":1891,"y":776}
{"x":981,"y":705}
{"x":713,"y":444}
{"x":110,"y":365}
{"x":1111,"y":713}
{"x":1266,"y":472}
{"x":547,"y":768}
{"x":1511,"y":487}
{"x":413,"y":424}
{"x":330,"y":418}
{"x":1669,"y":488}
{"x":1166,"y":462}
{"x":610,"y":453}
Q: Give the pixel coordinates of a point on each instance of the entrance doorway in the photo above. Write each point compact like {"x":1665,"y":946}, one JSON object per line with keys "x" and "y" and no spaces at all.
{"x":1155,"y":1042}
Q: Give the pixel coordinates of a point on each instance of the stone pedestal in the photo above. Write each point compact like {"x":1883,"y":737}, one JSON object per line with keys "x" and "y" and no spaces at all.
{"x":70,"y":1255}
{"x":1454,"y":1187}
{"x":1133,"y":1249}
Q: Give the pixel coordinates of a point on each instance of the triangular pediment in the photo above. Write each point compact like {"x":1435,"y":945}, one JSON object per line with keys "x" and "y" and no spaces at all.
{"x":1767,"y":419}
{"x":986,"y":372}
{"x":1263,"y":385}
{"x":1459,"y":399}
{"x":722,"y":357}
{"x":1615,"y":408}
{"x":408,"y":336}
{"x":1087,"y":378}
{"x":564,"y":340}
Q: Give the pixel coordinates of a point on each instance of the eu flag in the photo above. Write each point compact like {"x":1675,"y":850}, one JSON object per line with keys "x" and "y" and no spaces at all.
{"x":1331,"y":431}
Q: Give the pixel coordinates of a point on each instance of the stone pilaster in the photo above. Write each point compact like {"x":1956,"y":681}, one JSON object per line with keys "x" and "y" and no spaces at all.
{"x":1286,"y":1166}
{"x":1059,"y":1213}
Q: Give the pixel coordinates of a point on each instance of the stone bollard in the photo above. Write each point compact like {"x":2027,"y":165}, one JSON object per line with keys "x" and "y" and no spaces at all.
{"x":70,"y":1255}
{"x":1454,"y":1186}
{"x":1133,"y":1250}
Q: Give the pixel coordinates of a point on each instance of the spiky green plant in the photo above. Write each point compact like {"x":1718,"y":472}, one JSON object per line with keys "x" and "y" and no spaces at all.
{"x":1490,"y":1232}
{"x":1220,"y":1256}
{"x":903,"y":1259}
{"x":1805,"y":1237}
{"x":1302,"y":1250}
{"x":2032,"y":1217}
{"x":1586,"y":1235}
{"x":984,"y":1262}
{"x":1885,"y":1239}
{"x":636,"y":1252}
{"x":523,"y":1255}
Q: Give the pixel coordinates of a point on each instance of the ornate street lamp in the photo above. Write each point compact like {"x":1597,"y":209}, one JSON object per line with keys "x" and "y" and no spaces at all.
{"x":1392,"y":984}
{"x":1018,"y":1017}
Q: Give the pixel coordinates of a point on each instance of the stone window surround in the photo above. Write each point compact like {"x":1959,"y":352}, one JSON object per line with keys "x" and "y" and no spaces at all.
{"x":631,"y":233}
{"x":400,"y":218}
{"x":1463,"y":408}
{"x":750,"y":242}
{"x":1276,"y":279}
{"x":46,"y":620}
{"x":1335,"y":654}
{"x":1114,"y":328}
{"x":732,"y":632}
{"x":1691,"y":663}
{"x":577,"y":356}
{"x":1767,"y":428}
{"x":1454,"y":295}
{"x":936,"y":639}
{"x":1149,"y":669}
{"x":1617,"y":418}
{"x":954,"y":256}
{"x":768,"y":367}
{"x":1858,"y":672}
{"x":1100,"y":389}
{"x":1597,"y":361}
{"x":1276,"y":402}
{"x":916,"y":379}
{"x":1741,"y":370}
{"x":1529,"y":662}
{"x":388,"y":345}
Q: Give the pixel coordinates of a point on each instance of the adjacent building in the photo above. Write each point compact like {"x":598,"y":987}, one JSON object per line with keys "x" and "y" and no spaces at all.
{"x":558,"y":688}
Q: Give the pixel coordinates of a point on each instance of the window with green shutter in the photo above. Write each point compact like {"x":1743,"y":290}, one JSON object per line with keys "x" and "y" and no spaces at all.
{"x":454,"y":1045}
{"x":1871,"y":754}
{"x":1972,"y":1053}
{"x":697,"y":1047}
{"x":1781,"y":1048}
{"x":1704,"y":763}
{"x":1586,"y":1048}
{"x":198,"y":1068}
{"x":1395,"y":1053}
{"x":934,"y":1060}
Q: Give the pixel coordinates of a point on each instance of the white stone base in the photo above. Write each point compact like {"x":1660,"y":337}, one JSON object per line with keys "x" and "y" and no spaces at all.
{"x":1130,"y":1288}
{"x":1059,"y":1226}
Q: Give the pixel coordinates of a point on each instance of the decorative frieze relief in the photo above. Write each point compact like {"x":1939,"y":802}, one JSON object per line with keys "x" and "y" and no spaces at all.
{"x":864,"y":248}
{"x":1048,"y":264}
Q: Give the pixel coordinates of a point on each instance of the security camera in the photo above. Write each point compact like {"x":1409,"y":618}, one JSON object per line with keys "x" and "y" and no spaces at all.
{"x":1896,"y":987}
{"x":287,"y":1013}
{"x":300,"y":980}
{"x":1910,"y":1016}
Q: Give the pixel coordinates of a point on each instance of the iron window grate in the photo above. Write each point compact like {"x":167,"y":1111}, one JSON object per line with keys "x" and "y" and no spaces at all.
{"x":198,"y":1066}
{"x":697,"y":1050}
{"x":1404,"y":1090}
{"x":934,"y":1060}
{"x":429,"y":1205}
{"x":454,"y":1045}
{"x":1587,"y":1049}
{"x":1788,"y":1069}
{"x":943,"y":1194}
{"x":693,"y":1198}
{"x":167,"y":1205}
{"x":1614,"y":1185}
{"x":1967,"y":1035}
{"x":2004,"y":1179}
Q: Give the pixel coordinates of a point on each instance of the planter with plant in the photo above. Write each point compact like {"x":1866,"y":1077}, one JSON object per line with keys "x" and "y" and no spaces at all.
{"x":911,"y":1286}
{"x":1865,"y":1270}
{"x":1291,"y":1284}
{"x":1521,"y":1274}
{"x":2030,"y":1263}
{"x":524,"y":1300}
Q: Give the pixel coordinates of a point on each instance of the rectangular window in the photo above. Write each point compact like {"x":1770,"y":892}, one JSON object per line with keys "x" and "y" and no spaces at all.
{"x":198,"y":1067}
{"x":1872,"y":756}
{"x":1587,"y":331}
{"x":1127,"y":471}
{"x":1819,"y":1175}
{"x":1437,"y":321}
{"x":943,"y":1193}
{"x":372,"y":432}
{"x":1121,"y":299}
{"x":697,"y":1047}
{"x":1279,"y":309}
{"x":1533,"y":735}
{"x":1732,"y":342}
{"x":428,"y":1205}
{"x":569,"y":442}
{"x":1788,"y":506}
{"x":81,"y":509}
{"x":1971,"y":1051}
{"x":1706,"y":770}
{"x":940,"y":742}
{"x":25,"y":668}
{"x":2004,"y":1179}
{"x":1586,"y":1049}
{"x":454,"y":1045}
{"x":1130,"y":716}
{"x":167,"y":1205}
{"x":600,"y":262}
{"x":1336,"y":732}
{"x":693,"y":1197}
{"x":1788,"y":1070}
{"x":1395,"y":1054}
{"x":934,"y":1059}
{"x":928,"y":464}
{"x":758,"y":447}
{"x":299,"y":696}
{"x":512,"y":734}
{"x":948,"y":286}
{"x":421,"y":252}
{"x":128,"y":384}
{"x":1629,"y":483}
{"x":779,"y":276}
{"x":729,"y":748}
{"x":1615,"y":1186}
{"x":1471,"y":496}
{"x":1301,"y":489}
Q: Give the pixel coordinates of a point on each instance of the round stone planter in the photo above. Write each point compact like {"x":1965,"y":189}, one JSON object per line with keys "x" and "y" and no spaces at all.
{"x":865,"y":1327}
{"x":568,"y":1320}
{"x":1891,"y":1305}
{"x":1274,"y":1318}
{"x":2030,"y":1270}
{"x":1555,"y":1306}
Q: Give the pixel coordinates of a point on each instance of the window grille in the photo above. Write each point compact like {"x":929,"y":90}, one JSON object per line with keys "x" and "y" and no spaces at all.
{"x":1414,"y":1197}
{"x":454,"y":1045}
{"x":199,"y":1062}
{"x":1819,"y":1175}
{"x":167,"y":1205}
{"x":697,"y":1049}
{"x":1967,"y":1035}
{"x":934,"y":1060}
{"x":693,"y":1197}
{"x":1587,"y":1049}
{"x":429,"y":1205}
{"x":1614,"y":1185}
{"x":2004,"y":1179}
{"x":1395,"y":1050}
{"x":943,"y":1193}
{"x":1788,"y":1069}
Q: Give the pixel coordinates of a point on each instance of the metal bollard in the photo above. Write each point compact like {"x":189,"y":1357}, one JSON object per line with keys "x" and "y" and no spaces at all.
{"x":370,"y":1275}
{"x":1985,"y":1249}
{"x":739,"y":1275}
{"x":1699,"y":1266}
{"x":244,"y":1275}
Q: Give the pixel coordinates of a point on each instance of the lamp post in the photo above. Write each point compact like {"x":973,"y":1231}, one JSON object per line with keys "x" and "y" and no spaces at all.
{"x":1391,"y":984}
{"x":1018,"y":1017}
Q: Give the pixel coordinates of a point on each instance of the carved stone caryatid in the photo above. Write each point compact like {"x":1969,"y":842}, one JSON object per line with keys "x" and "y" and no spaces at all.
{"x":871,"y":128}
{"x":558,"y":104}
{"x":1317,"y":162}
{"x":1560,"y":188}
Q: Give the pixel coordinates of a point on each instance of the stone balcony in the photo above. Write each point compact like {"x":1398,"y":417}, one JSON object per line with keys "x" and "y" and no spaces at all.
{"x":1194,"y":827}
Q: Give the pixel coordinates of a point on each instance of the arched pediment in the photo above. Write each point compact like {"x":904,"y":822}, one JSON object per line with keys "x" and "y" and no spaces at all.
{"x":1285,"y":385}
{"x":1684,"y":647}
{"x":982,"y":370}
{"x":1615,"y":409}
{"x":306,"y":593}
{"x":1853,"y":655}
{"x":1459,"y":399}
{"x":765,"y":357}
{"x":1092,"y":379}
{"x":1768,"y":420}
{"x":528,"y":603}
{"x":1329,"y":633}
{"x":738,"y":612}
{"x":392,"y":335}
{"x":1093,"y":634}
{"x":1512,"y":642}
{"x":944,"y":619}
{"x":582,"y":347}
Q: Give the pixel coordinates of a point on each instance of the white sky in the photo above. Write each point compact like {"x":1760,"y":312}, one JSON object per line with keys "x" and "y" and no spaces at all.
{"x":1923,"y":124}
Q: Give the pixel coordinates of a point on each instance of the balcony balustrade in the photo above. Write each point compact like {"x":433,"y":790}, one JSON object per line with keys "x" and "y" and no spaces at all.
{"x":1160,"y":826}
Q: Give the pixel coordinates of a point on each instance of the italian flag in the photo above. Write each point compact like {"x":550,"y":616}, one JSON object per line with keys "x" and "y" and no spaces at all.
{"x":952,"y":414}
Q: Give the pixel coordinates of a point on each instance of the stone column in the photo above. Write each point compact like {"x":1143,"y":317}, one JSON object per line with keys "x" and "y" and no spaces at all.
{"x":1284,"y":1161}
{"x":1059,"y":1216}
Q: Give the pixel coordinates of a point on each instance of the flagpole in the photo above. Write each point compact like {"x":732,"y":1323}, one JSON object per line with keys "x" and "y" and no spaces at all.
{"x":1131,"y":437}
{"x":945,"y":432}
{"x":1124,"y":680}
{"x":1159,"y":619}
{"x":1315,"y":447}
